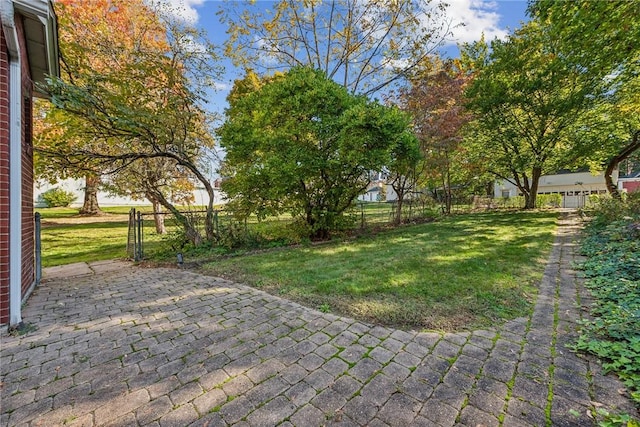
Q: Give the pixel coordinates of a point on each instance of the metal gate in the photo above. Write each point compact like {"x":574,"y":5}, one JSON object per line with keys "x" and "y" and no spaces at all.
{"x":575,"y":201}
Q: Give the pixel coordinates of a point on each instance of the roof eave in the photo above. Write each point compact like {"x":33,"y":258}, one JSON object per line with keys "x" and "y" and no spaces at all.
{"x":41,"y":34}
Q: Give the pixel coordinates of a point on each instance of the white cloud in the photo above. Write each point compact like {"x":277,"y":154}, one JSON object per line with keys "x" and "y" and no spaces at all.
{"x":478,"y":17}
{"x":397,"y":64}
{"x":221,"y":86}
{"x":268,"y":55}
{"x":182,"y":9}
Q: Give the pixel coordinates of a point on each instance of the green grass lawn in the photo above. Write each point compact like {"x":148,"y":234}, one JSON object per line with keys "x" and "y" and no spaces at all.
{"x":68,"y":238}
{"x":465,"y":271}
{"x":69,"y":243}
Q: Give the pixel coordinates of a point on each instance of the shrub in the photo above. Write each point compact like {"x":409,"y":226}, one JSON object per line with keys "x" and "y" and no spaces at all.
{"x":515,"y":202}
{"x":57,"y":197}
{"x":548,"y":200}
{"x":542,"y":201}
{"x":605,"y":209}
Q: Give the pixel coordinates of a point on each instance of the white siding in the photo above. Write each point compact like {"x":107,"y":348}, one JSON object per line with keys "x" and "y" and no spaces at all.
{"x":569,"y":184}
{"x":104,"y":199}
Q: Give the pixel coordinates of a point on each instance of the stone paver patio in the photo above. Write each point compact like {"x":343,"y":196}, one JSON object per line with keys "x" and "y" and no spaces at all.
{"x":124,"y":346}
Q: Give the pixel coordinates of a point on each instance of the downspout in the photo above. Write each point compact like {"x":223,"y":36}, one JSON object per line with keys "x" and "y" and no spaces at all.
{"x":15,"y":164}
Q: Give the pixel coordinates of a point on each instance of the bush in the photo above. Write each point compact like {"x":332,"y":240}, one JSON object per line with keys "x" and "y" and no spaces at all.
{"x":548,"y":200}
{"x":515,"y":202}
{"x":57,"y":197}
{"x":605,"y":209}
{"x":542,"y":201}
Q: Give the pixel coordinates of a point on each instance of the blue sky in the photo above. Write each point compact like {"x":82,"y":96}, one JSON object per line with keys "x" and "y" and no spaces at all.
{"x":494,"y":18}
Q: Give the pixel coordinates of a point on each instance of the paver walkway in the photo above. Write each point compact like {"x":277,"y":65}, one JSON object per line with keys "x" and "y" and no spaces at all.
{"x":126,"y":346}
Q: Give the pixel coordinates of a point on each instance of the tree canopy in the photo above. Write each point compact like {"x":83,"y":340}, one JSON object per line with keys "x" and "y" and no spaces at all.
{"x":435,"y":99}
{"x":527,"y":99}
{"x":94,"y":36}
{"x":130,"y":99}
{"x":363,"y":45}
{"x":301,"y":143}
{"x":602,"y":39}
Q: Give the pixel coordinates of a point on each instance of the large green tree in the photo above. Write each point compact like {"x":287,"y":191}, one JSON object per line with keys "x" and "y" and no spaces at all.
{"x":527,"y":98}
{"x":363,"y":45}
{"x":602,"y":38}
{"x":301,"y":143}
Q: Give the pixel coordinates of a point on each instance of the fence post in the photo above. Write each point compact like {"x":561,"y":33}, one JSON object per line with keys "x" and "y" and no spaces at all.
{"x":139,"y":251}
{"x":131,"y":234}
{"x":38,"y":248}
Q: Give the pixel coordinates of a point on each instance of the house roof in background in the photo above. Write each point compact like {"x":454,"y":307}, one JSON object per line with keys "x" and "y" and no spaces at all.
{"x":631,"y":175}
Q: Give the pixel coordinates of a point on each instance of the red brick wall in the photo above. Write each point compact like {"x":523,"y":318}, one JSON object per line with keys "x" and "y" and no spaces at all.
{"x":27,"y":256}
{"x":631,"y":186}
{"x":4,"y":181}
{"x":28,"y":226}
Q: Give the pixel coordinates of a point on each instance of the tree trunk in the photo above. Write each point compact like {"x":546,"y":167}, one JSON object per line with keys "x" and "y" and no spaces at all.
{"x":608,"y":178}
{"x":623,"y":154}
{"x":489,"y":189}
{"x":158,"y":216}
{"x":399,"y":185}
{"x":533,"y":188}
{"x":400,"y":194}
{"x":448,"y":200}
{"x":446,"y":192}
{"x":191,"y":233}
{"x":90,"y":206}
{"x":209,"y":225}
{"x":446,"y":181}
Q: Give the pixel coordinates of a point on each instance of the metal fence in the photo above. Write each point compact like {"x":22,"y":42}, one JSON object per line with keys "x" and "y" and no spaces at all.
{"x":372,"y":214}
{"x":144,"y":240}
{"x":142,"y":234}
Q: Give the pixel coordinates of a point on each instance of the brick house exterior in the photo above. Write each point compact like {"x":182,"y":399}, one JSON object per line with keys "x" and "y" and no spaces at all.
{"x":28,"y":52}
{"x":629,"y":183}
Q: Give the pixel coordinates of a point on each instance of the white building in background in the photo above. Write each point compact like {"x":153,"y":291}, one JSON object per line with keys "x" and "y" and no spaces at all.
{"x":574,"y":187}
{"x":375,"y":191}
{"x":373,"y":194}
{"x":105,"y":199}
